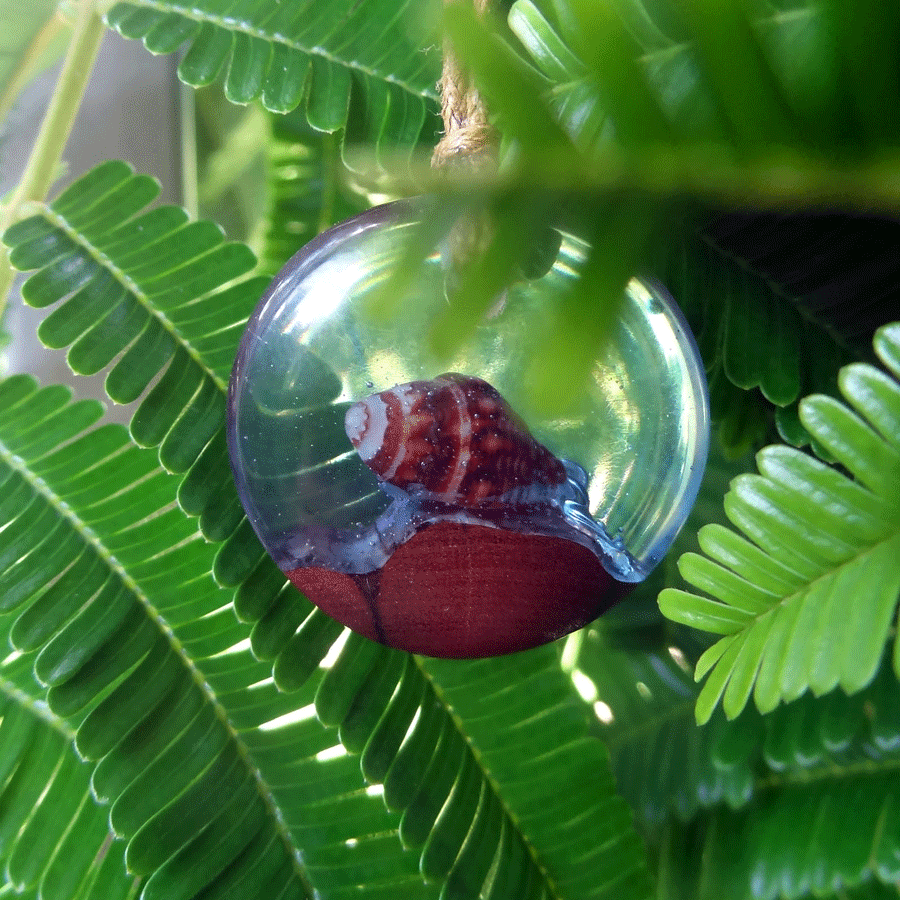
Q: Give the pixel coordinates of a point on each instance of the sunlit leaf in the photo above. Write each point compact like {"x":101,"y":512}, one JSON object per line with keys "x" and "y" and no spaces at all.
{"x":812,"y":538}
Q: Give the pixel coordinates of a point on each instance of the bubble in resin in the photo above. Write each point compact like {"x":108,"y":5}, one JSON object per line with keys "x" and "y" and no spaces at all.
{"x":425,"y":502}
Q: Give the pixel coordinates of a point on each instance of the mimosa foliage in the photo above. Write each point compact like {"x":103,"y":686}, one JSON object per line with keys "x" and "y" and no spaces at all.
{"x":56,"y":841}
{"x":762,"y":799}
{"x":366,"y":69}
{"x":756,"y":310}
{"x":472,"y":812}
{"x":167,"y":698}
{"x":813,"y":538}
{"x":305,"y":191}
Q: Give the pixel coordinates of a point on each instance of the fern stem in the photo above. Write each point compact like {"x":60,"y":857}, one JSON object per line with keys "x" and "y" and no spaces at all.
{"x":30,"y":61}
{"x":187,"y":114}
{"x":46,"y":155}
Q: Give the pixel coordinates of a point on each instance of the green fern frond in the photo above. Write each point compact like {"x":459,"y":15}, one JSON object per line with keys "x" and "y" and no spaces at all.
{"x":744,"y":789}
{"x":54,"y":840}
{"x":806,"y":599}
{"x":209,"y":771}
{"x":754,"y":338}
{"x":490,"y":747}
{"x":149,"y":293}
{"x":677,"y":81}
{"x":132,"y":278}
{"x":832,"y":837}
{"x":708,"y":859}
{"x":356,"y":66}
{"x":305,"y":191}
{"x":96,"y":563}
{"x":749,"y":332}
{"x":528,"y":731}
{"x":665,"y":765}
{"x":839,"y":271}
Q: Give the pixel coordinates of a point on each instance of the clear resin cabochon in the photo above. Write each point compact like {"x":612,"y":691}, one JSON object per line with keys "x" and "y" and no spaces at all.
{"x":634,"y":447}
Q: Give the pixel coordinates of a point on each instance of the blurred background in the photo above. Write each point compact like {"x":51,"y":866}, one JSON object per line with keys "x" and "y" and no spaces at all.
{"x":131,"y":111}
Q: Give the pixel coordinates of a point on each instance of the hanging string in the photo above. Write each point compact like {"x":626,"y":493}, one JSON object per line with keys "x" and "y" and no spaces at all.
{"x":469,"y":138}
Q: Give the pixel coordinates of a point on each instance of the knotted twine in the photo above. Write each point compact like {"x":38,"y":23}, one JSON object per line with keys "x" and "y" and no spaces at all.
{"x":469,"y":139}
{"x":469,"y":142}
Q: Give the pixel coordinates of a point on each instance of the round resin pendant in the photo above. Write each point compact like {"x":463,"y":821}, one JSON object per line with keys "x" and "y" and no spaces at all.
{"x":425,"y":503}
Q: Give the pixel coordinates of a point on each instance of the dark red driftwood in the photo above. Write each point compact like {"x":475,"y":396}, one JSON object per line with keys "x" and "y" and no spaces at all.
{"x":466,"y":591}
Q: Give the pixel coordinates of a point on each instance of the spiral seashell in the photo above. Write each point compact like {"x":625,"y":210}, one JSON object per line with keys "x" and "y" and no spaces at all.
{"x":454,"y":438}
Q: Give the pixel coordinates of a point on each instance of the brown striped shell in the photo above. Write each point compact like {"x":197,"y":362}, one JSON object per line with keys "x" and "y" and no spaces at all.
{"x":454,"y":437}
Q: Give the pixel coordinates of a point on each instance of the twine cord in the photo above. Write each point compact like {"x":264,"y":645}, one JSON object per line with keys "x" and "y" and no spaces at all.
{"x":469,"y":139}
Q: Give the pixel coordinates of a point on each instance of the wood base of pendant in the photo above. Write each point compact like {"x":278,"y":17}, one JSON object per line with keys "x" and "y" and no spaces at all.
{"x":467,"y":591}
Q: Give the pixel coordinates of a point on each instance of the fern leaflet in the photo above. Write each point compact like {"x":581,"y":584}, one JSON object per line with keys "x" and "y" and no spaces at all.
{"x":814,"y":538}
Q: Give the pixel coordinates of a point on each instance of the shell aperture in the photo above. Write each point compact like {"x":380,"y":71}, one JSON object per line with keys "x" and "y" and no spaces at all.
{"x":453,"y":439}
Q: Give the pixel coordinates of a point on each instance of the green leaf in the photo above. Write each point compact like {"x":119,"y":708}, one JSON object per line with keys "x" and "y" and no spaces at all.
{"x":725,"y":42}
{"x":87,"y":239}
{"x":672,"y":771}
{"x":306,"y":195}
{"x":529,"y":733}
{"x":545,"y":46}
{"x":687,"y":64}
{"x":746,"y":329}
{"x":156,"y":296}
{"x":53,"y":837}
{"x":459,"y":745}
{"x":311,"y":50}
{"x":825,"y":859}
{"x":612,"y":56}
{"x":814,"y":538}
{"x":197,"y":753}
{"x":110,"y":663}
{"x":749,"y":75}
